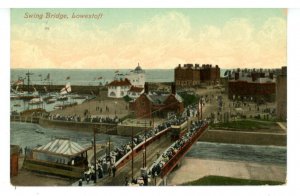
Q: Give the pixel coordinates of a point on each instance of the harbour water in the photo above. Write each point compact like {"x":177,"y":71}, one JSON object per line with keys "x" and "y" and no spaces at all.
{"x":31,"y":135}
{"x":22,"y":105}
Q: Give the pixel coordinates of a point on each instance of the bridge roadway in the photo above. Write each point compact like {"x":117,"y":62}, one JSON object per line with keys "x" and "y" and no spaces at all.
{"x":151,"y":151}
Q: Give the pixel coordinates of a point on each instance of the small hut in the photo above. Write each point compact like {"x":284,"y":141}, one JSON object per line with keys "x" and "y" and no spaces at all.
{"x":14,"y":159}
{"x":61,"y":157}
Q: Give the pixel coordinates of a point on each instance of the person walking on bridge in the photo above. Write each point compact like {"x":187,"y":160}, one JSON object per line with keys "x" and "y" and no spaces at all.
{"x":109,"y":170}
{"x":114,"y":170}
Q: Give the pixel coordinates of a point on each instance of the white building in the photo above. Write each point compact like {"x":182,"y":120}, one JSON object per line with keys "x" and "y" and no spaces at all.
{"x":137,"y":77}
{"x":118,"y":88}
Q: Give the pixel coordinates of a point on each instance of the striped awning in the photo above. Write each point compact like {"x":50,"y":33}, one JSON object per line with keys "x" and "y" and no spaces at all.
{"x":63,"y":147}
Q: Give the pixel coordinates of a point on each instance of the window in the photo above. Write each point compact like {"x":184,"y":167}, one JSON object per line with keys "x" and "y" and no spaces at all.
{"x":112,"y":94}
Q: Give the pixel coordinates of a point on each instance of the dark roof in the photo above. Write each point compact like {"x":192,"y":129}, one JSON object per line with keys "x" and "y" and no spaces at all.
{"x":125,"y":82}
{"x":136,"y":89}
{"x":160,"y":99}
{"x":157,"y":99}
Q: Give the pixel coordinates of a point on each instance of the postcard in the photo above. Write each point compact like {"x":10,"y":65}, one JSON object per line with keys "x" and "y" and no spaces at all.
{"x":148,"y":97}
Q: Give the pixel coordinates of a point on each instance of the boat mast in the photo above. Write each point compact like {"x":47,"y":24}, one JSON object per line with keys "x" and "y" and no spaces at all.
{"x":28,"y":79}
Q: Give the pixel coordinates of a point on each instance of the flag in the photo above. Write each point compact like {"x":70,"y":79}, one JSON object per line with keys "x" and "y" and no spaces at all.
{"x":68,"y":78}
{"x":19,"y":82}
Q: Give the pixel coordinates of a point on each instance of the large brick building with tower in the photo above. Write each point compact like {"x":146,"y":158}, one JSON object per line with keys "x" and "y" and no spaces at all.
{"x":149,"y":104}
{"x":191,"y":75}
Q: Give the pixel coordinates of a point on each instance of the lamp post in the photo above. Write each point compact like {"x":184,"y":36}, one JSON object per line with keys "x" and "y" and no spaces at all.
{"x":201,"y":106}
{"x":145,"y":145}
{"x":95,"y":177}
{"x":155,"y":175}
{"x":109,"y":149}
{"x":131,"y":153}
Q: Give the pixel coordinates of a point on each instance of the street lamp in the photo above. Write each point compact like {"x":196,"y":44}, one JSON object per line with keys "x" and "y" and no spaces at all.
{"x":95,"y":169}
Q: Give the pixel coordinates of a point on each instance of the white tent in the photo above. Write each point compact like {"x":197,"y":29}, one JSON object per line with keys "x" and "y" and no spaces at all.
{"x":64,"y":147}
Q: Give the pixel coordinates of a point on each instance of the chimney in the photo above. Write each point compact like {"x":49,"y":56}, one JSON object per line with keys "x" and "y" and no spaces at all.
{"x":179,"y":65}
{"x":284,"y":70}
{"x":173,"y":88}
{"x":254,"y":76}
{"x":146,"y":88}
{"x":236,"y":75}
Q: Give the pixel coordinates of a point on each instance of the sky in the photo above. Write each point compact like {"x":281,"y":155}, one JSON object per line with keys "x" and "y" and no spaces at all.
{"x":154,"y":38}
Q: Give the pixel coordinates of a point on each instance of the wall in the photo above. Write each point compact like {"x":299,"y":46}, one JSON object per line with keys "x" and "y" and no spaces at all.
{"x":281,"y":97}
{"x":238,"y":137}
{"x":88,"y":127}
{"x":143,"y":107}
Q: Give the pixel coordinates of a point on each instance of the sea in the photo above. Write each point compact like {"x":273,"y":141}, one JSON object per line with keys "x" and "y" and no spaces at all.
{"x":91,"y":77}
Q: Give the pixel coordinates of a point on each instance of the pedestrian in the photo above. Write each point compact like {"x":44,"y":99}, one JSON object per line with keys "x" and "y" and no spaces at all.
{"x":100,"y":172}
{"x":114,"y":170}
{"x":126,"y":181}
{"x":80,"y":182}
{"x":109,"y":171}
{"x":88,"y":178}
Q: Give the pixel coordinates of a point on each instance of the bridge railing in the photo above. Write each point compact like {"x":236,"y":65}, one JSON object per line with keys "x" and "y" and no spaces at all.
{"x":121,"y":162}
{"x":162,"y":167}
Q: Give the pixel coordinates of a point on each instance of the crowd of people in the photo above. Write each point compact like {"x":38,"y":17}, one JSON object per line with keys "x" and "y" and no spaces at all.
{"x":105,"y":166}
{"x":100,"y":119}
{"x":156,"y":168}
{"x":72,"y":118}
{"x":91,"y":119}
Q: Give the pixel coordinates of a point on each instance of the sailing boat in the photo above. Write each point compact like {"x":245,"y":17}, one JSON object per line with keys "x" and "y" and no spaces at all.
{"x":36,"y":101}
{"x":64,"y":91}
{"x":25,"y":95}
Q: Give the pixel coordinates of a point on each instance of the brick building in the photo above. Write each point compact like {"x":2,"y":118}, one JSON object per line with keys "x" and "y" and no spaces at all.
{"x":14,"y":160}
{"x":252,"y":84}
{"x":209,"y":74}
{"x":148,"y":105}
{"x":190,"y":75}
{"x":281,"y":95}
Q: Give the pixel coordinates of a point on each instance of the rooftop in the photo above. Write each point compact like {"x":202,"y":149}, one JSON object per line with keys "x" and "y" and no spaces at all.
{"x":120,"y":82}
{"x":136,"y":89}
{"x":63,"y":147}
